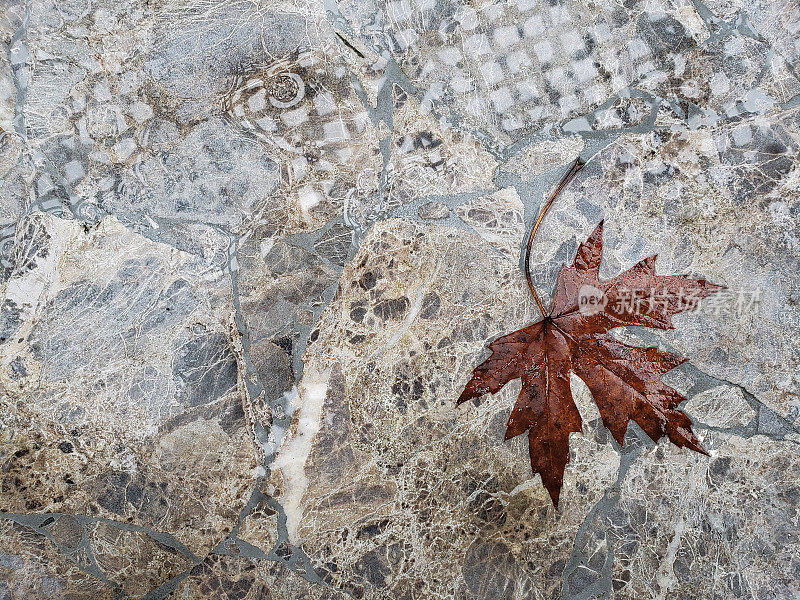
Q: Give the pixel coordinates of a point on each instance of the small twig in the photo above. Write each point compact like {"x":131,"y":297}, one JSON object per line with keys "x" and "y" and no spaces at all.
{"x":564,"y":181}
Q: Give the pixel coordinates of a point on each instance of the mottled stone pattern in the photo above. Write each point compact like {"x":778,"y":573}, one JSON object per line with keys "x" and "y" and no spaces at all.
{"x":250,"y":252}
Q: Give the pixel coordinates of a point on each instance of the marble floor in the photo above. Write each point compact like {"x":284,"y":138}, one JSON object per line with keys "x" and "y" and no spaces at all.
{"x":252,"y":250}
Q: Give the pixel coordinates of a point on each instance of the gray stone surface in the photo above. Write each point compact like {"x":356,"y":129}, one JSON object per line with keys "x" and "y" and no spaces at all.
{"x":118,"y":359}
{"x":250,"y":253}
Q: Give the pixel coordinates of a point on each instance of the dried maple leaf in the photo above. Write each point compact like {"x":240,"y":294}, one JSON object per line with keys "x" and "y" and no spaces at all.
{"x":625,"y":381}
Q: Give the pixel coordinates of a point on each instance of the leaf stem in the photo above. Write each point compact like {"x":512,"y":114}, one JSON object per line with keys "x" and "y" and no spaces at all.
{"x":577,"y":166}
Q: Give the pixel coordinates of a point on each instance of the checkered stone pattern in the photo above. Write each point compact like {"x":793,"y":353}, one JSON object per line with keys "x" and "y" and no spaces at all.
{"x":304,"y":111}
{"x":509,"y":67}
{"x":716,"y":76}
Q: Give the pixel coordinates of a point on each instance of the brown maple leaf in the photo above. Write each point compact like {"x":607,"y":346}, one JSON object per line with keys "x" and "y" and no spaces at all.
{"x":625,"y":381}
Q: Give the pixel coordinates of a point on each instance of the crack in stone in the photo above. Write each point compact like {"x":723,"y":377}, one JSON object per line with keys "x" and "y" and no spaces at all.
{"x":634,"y":443}
{"x":39,"y":522}
{"x":704,"y":381}
{"x":19,"y":38}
